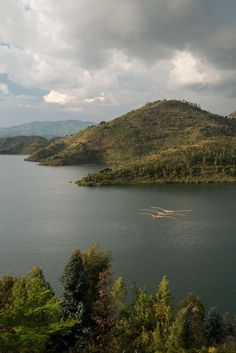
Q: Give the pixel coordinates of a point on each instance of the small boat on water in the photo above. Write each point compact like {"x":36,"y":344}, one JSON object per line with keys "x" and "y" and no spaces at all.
{"x":159,"y":212}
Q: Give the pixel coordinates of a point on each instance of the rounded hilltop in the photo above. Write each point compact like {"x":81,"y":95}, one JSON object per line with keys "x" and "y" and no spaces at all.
{"x":155,"y":135}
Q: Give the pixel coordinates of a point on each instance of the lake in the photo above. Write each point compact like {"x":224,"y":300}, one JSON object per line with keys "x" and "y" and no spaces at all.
{"x":44,"y":217}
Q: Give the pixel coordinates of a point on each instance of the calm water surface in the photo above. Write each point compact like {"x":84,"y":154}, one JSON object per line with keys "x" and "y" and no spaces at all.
{"x":44,"y":217}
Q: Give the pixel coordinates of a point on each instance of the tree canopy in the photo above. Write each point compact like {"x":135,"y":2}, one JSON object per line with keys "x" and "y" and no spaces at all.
{"x":94,"y":314}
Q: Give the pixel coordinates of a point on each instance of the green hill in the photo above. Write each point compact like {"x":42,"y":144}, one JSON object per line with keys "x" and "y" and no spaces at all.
{"x":22,"y":144}
{"x":163,"y":141}
{"x":45,"y":128}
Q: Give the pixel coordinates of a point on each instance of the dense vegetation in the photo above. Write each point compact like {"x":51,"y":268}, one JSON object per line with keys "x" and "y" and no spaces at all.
{"x":93,"y":315}
{"x":22,"y":144}
{"x":210,"y":161}
{"x":47,"y":129}
{"x":164,"y":141}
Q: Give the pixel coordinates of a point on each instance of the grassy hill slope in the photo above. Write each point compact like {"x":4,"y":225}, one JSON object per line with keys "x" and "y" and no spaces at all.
{"x":22,"y":144}
{"x":162,"y":141}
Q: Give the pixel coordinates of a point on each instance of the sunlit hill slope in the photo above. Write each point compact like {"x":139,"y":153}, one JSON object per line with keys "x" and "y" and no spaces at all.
{"x":163,"y":141}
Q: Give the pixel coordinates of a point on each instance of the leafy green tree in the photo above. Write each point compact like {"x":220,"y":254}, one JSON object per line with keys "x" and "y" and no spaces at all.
{"x":228,"y":326}
{"x":105,"y":311}
{"x":118,"y":295}
{"x":80,"y":284}
{"x":176,"y":340}
{"x":6,"y":284}
{"x":31,"y":318}
{"x":214,"y":326}
{"x":194,"y":321}
{"x":158,"y":342}
{"x":163,"y":293}
{"x":95,"y":262}
{"x":75,"y":285}
{"x":137,"y":323}
{"x":163,"y":313}
{"x":79,"y":281}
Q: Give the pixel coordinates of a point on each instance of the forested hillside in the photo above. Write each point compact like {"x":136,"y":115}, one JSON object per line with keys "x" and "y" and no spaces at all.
{"x":210,"y":161}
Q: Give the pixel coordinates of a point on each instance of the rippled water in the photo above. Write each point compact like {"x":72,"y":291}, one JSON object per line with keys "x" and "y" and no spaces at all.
{"x":43,"y":217}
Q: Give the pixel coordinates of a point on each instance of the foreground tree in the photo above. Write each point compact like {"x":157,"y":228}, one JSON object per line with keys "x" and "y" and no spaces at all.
{"x":194,"y":321}
{"x":214,"y":327}
{"x":82,"y":281}
{"x":30,"y":315}
{"x":228,"y":326}
{"x":176,"y":340}
{"x":6,"y":284}
{"x":163,"y":315}
{"x":106,"y":311}
{"x":136,"y":323}
{"x":79,"y":282}
{"x":75,"y":284}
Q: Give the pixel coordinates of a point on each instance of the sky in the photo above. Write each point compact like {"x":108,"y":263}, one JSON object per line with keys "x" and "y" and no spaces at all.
{"x":96,"y":59}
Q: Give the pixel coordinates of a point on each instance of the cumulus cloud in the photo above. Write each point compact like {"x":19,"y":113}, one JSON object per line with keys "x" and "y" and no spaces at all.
{"x":100,"y":98}
{"x":190,"y":70}
{"x":57,"y":98}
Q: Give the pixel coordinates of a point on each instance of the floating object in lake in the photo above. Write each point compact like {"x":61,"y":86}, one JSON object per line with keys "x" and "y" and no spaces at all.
{"x":163,"y":213}
{"x":158,"y":215}
{"x":171,"y":211}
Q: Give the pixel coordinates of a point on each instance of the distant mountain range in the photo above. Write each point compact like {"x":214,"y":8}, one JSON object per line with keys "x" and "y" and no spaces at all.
{"x":46,"y":129}
{"x":164,"y":141}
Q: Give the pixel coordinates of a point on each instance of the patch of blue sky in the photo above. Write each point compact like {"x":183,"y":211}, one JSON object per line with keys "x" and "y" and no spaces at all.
{"x":17,"y":89}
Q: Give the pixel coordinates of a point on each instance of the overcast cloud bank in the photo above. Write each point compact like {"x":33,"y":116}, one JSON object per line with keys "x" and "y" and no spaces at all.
{"x":97,"y":59}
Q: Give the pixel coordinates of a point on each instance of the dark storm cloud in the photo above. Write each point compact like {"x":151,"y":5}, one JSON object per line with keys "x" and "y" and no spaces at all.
{"x":153,"y":29}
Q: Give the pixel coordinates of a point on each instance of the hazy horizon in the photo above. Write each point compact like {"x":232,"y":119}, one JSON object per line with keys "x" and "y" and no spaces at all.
{"x":45,"y":121}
